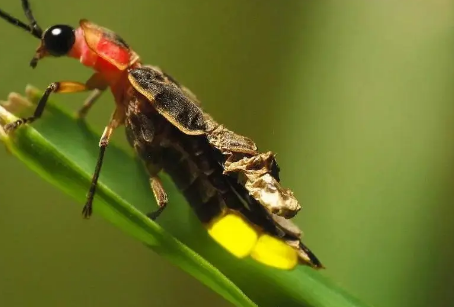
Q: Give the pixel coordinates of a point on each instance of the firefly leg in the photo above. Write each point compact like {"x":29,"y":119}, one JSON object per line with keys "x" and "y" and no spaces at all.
{"x":140,"y":132}
{"x":56,"y":87}
{"x":89,"y":102}
{"x":103,"y":142}
{"x":117,"y":119}
{"x":160,"y":196}
{"x":97,"y":83}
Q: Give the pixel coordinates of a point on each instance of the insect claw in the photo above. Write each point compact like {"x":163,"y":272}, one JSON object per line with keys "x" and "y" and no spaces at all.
{"x":12,"y":126}
{"x":81,"y":114}
{"x":152,"y":216}
{"x":155,"y":214}
{"x":87,"y":211}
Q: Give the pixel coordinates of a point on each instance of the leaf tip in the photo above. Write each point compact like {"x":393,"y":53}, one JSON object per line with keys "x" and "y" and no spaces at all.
{"x":11,"y":108}
{"x":15,"y":104}
{"x":5,"y":118}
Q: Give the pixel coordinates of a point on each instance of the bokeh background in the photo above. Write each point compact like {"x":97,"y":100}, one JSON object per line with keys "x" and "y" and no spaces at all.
{"x":356,"y":97}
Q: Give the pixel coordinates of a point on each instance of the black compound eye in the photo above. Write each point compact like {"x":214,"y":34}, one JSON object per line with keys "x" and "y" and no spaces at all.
{"x":59,"y":39}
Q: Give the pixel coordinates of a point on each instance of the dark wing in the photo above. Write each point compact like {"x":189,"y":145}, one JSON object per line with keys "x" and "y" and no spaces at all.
{"x":169,"y":99}
{"x":227,"y":141}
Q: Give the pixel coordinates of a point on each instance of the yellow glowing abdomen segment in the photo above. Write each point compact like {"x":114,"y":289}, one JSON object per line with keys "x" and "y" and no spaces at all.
{"x":275,"y":253}
{"x":234,"y":233}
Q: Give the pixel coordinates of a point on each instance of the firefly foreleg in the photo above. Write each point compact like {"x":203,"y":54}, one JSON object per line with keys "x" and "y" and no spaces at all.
{"x":55,"y":87}
{"x":160,"y":196}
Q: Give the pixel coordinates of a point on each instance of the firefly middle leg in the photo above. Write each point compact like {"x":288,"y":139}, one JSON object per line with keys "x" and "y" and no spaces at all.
{"x":116,"y":120}
{"x":97,"y":82}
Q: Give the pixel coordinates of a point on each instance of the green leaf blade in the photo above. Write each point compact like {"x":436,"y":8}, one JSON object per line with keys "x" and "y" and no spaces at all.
{"x":63,"y":150}
{"x":55,"y":163}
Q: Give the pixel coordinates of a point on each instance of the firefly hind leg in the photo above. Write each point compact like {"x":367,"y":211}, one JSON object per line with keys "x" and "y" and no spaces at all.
{"x":160,"y":196}
{"x":140,"y":133}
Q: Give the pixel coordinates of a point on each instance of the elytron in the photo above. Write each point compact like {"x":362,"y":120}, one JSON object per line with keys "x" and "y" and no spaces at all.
{"x":233,"y":188}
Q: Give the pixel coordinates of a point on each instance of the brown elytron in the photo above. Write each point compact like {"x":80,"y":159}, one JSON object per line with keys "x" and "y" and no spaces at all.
{"x":217,"y":170}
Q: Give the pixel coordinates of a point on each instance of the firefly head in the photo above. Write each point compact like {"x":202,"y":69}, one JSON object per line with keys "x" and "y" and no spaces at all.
{"x":58,"y":40}
{"x":55,"y":41}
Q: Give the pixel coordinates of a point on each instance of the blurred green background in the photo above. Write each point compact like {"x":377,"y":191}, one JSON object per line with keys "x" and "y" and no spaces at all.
{"x":356,"y":97}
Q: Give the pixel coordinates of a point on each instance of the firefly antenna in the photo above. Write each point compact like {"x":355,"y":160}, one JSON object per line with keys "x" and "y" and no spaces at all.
{"x":33,"y":27}
{"x":28,"y":13}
